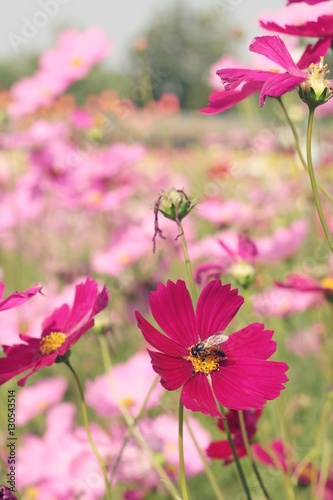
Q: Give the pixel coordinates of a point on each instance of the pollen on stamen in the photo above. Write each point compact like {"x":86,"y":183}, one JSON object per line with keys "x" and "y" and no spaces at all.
{"x":205,"y":364}
{"x":52,"y":342}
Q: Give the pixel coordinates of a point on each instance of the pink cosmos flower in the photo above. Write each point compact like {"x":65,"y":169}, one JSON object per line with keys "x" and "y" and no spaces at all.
{"x":127,"y":383}
{"x":304,"y":283}
{"x":282,"y":302}
{"x":16,"y":298}
{"x":239,"y":377}
{"x":222,"y":449}
{"x":62,"y":329}
{"x":240,"y":83}
{"x":303,"y":20}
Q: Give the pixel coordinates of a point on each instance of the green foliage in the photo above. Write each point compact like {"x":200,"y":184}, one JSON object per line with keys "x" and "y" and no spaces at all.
{"x":181,"y":45}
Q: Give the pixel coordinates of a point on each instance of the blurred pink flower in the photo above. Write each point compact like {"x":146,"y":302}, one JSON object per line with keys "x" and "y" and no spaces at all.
{"x":75,"y":54}
{"x":283,"y":302}
{"x":128,"y":382}
{"x":304,"y":283}
{"x":63,"y":464}
{"x":62,"y":329}
{"x":305,"y":343}
{"x":35,"y":399}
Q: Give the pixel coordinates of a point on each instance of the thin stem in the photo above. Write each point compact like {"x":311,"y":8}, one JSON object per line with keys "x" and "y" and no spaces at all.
{"x":209,"y":473}
{"x":135,"y":431}
{"x":313,"y":180}
{"x":298,"y":148}
{"x":131,"y":428}
{"x":187,"y":263}
{"x":86,"y":425}
{"x":5,"y":472}
{"x":237,"y":461}
{"x":249,"y":453}
{"x":183,"y":484}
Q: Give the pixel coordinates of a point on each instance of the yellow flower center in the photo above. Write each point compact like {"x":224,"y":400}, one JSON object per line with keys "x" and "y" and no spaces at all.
{"x":327,"y":283}
{"x":128,"y":401}
{"x":51,"y":342}
{"x":316,"y":78}
{"x":206,"y":362}
{"x":76,"y":62}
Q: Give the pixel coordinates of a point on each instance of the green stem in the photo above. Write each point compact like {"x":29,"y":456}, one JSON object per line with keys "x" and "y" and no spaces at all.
{"x":237,"y":461}
{"x":86,"y":425}
{"x":249,"y":453}
{"x":188,"y":264}
{"x":313,"y":180}
{"x":131,"y":424}
{"x":5,"y":472}
{"x":183,"y":485}
{"x":298,"y":148}
{"x":209,"y":473}
{"x":131,"y":428}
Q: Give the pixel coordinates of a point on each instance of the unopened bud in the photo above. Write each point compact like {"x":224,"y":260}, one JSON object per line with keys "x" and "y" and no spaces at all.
{"x":243,"y":273}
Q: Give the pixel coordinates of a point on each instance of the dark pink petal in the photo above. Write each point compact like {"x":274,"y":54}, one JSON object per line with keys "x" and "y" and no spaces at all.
{"x":217,"y":305}
{"x":174,"y":372}
{"x":84,"y":304}
{"x":310,"y":2}
{"x":274,"y":49}
{"x":197,"y":396}
{"x":279,"y":84}
{"x":232,"y":78}
{"x":313,"y":53}
{"x":252,"y":342}
{"x":172,"y":308}
{"x":220,"y":449}
{"x":56,"y":321}
{"x":19,"y":358}
{"x":220,"y":100}
{"x":17,"y":298}
{"x":300,"y":282}
{"x":101,"y":301}
{"x":322,"y":27}
{"x":41,"y":363}
{"x":159,"y":341}
{"x":74,"y":336}
{"x":243,"y":384}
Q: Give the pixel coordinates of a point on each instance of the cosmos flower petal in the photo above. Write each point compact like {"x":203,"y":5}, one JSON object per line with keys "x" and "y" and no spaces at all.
{"x":275,"y":49}
{"x":245,"y":384}
{"x":157,"y":340}
{"x":217,"y":306}
{"x":17,"y":298}
{"x":279,"y":84}
{"x":220,"y":100}
{"x":222,"y":450}
{"x":253,"y":341}
{"x":313,"y":53}
{"x":174,"y":372}
{"x":197,"y":396}
{"x":172,"y":308}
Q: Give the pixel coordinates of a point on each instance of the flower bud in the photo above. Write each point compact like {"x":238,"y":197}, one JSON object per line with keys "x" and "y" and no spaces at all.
{"x":243,"y":273}
{"x":174,"y":204}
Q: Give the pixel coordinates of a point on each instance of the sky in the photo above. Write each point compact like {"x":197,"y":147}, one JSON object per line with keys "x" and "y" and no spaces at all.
{"x":30,"y":26}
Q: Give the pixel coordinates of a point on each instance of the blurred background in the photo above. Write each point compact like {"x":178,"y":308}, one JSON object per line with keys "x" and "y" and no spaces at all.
{"x":181,"y":39}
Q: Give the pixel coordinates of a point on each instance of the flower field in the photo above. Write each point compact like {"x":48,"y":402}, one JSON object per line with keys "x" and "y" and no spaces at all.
{"x":166,"y":277}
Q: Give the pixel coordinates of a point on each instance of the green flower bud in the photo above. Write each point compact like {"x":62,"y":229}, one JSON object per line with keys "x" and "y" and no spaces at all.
{"x":174,"y":204}
{"x":243,"y":273}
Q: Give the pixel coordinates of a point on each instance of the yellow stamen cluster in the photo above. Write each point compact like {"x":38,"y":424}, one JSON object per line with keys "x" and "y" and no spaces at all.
{"x":327,"y":283}
{"x":205,"y":363}
{"x":76,"y":62}
{"x":52,"y":342}
{"x":316,"y":78}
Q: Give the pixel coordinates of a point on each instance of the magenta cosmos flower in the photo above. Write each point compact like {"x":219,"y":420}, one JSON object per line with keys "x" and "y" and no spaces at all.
{"x":237,"y":375}
{"x":61,"y":330}
{"x":240,"y":83}
{"x":16,"y":298}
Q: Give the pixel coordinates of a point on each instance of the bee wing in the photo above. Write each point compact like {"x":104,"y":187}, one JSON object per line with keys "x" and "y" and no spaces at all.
{"x":216,"y":339}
